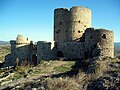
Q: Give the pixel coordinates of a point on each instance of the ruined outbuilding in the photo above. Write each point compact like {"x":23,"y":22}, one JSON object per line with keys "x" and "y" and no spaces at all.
{"x":73,"y":39}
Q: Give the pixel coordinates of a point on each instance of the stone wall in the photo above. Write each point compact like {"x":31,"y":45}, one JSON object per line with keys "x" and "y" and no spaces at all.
{"x":23,"y":52}
{"x":70,"y":50}
{"x":43,"y":51}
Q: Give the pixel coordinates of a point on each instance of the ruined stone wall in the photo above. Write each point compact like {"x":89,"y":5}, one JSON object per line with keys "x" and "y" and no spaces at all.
{"x":71,"y":50}
{"x":43,"y":51}
{"x":100,"y":42}
{"x":70,"y":25}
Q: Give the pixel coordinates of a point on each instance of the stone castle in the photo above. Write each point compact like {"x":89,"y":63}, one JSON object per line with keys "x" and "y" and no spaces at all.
{"x":73,"y":39}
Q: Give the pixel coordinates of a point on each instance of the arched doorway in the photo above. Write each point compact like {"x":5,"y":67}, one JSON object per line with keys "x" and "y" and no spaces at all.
{"x":34,"y":59}
{"x":60,"y":54}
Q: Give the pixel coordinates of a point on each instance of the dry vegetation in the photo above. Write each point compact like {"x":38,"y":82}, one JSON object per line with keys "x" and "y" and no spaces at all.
{"x":98,"y":74}
{"x":4,"y":50}
{"x":45,"y":68}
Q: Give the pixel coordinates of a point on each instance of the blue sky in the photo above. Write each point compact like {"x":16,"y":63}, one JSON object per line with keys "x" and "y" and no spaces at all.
{"x":34,"y":18}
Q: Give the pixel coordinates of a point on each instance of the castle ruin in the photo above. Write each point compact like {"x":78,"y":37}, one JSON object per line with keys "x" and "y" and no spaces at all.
{"x":73,"y":39}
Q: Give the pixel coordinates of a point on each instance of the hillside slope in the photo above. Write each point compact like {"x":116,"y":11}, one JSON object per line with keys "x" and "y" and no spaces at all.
{"x":98,"y":73}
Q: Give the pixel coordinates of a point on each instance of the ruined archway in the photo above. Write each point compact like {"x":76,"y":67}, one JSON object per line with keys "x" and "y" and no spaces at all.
{"x":34,"y":59}
{"x":60,"y":54}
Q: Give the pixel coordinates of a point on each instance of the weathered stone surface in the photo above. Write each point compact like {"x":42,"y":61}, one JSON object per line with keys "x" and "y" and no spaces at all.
{"x":70,"y":24}
{"x":99,"y":42}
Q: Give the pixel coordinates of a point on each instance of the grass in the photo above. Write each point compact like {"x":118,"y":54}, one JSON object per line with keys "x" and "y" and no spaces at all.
{"x":4,"y":49}
{"x":19,"y":72}
{"x":61,"y":83}
{"x":62,"y":69}
{"x":2,"y":58}
{"x":18,"y":76}
{"x":45,"y":67}
{"x":65,"y":67}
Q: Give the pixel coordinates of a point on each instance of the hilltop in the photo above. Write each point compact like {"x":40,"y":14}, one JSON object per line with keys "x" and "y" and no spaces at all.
{"x":98,"y":73}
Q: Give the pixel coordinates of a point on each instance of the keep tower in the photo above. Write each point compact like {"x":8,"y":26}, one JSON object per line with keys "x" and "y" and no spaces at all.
{"x":80,"y":20}
{"x":69,"y":25}
{"x":61,"y":24}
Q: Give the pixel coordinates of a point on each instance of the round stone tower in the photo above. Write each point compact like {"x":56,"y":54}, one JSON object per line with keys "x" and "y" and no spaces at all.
{"x":61,"y":16}
{"x":80,"y":19}
{"x":70,"y":25}
{"x":100,"y":42}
